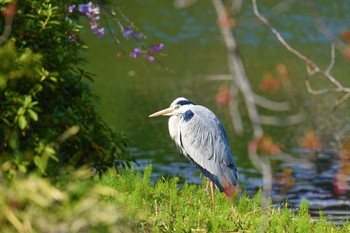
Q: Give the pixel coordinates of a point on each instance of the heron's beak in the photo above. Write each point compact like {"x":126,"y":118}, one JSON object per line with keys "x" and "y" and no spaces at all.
{"x":164,"y":112}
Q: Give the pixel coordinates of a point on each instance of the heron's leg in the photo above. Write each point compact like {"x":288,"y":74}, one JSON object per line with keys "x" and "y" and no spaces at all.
{"x":212,"y":190}
{"x":207,"y":186}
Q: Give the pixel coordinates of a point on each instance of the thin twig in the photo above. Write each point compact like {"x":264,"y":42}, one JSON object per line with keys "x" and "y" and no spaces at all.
{"x":271,"y":105}
{"x":283,"y":121}
{"x":326,"y":31}
{"x":259,"y":100}
{"x":341,"y":100}
{"x":234,"y":110}
{"x":280,"y":37}
{"x":331,"y":64}
{"x":264,"y":166}
{"x":312,"y":67}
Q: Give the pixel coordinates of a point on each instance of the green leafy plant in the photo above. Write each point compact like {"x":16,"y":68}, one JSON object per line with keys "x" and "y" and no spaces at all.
{"x":34,"y":204}
{"x":47,"y":116}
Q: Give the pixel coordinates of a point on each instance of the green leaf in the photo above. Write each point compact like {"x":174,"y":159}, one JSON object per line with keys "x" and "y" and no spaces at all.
{"x":22,"y":122}
{"x":27,"y":100}
{"x":49,"y":151}
{"x":22,"y":168}
{"x":33,"y":103}
{"x":21,"y":111}
{"x":33,"y":114}
{"x":40,"y":163}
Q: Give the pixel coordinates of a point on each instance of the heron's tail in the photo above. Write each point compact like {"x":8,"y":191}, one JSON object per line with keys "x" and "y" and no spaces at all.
{"x":229,"y":191}
{"x":228,"y":186}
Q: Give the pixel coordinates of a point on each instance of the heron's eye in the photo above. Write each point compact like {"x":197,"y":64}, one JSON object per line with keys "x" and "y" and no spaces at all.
{"x":177,"y":106}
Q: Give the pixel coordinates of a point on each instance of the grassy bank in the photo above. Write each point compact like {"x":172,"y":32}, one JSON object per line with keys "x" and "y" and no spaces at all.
{"x":164,"y":207}
{"x":130,"y":202}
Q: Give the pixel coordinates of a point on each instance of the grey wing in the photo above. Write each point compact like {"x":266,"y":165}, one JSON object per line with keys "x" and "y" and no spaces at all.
{"x":204,"y":140}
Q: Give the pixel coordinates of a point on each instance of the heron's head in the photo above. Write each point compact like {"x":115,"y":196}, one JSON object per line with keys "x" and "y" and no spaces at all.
{"x":177,"y":107}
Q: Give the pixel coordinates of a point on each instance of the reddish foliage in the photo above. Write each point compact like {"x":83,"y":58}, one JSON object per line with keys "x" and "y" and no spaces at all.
{"x":345,"y":35}
{"x":345,"y":151}
{"x":341,"y":185}
{"x":224,"y":96}
{"x":119,"y":53}
{"x":267,"y":146}
{"x":286,"y":178}
{"x":270,"y":83}
{"x":283,"y":72}
{"x":226,"y":21}
{"x":346,"y":53}
{"x":310,"y":140}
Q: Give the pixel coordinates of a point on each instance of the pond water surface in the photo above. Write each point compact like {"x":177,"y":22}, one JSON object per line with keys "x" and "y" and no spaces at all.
{"x":130,"y":89}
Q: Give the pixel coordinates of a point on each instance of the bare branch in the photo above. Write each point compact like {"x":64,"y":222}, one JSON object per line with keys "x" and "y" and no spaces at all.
{"x":341,"y":100}
{"x":283,"y":121}
{"x":264,"y":166}
{"x":281,"y":39}
{"x":271,"y":105}
{"x":259,"y":100}
{"x":282,"y":6}
{"x":220,"y":77}
{"x":327,"y":32}
{"x":312,"y":91}
{"x":311,"y":67}
{"x":180,"y":4}
{"x":235,"y":113}
{"x":331,"y":64}
{"x":237,"y":69}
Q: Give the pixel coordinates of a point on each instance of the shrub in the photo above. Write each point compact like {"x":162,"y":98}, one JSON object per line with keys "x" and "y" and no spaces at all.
{"x":47,"y":115}
{"x":33,"y":204}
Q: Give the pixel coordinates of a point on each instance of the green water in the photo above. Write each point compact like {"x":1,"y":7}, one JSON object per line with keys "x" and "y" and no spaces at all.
{"x":131,"y":89}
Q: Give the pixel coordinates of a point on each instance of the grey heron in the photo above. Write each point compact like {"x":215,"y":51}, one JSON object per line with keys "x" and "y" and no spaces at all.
{"x":201,"y":138}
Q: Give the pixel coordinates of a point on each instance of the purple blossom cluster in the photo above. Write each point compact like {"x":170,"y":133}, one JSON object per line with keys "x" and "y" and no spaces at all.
{"x":146,"y":54}
{"x":92,"y":11}
{"x":128,"y":32}
{"x":157,"y":48}
{"x":135,"y":53}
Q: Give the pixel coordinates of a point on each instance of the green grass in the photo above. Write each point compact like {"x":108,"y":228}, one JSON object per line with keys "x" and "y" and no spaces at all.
{"x":165,"y":207}
{"x":130,"y":202}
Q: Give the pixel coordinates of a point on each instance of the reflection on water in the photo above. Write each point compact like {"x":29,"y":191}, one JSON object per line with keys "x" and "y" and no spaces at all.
{"x":318,"y":184}
{"x":130,"y":90}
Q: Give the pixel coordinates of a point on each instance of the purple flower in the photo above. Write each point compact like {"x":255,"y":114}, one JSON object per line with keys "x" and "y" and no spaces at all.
{"x":127,"y":32}
{"x":95,"y":18}
{"x":135,"y":53}
{"x":71,"y":8}
{"x":92,"y":12}
{"x":150,"y":58}
{"x":157,"y":48}
{"x":95,"y":10}
{"x":85,"y":8}
{"x":100,"y":32}
{"x":73,"y":37}
{"x":137,"y":36}
{"x":91,"y":23}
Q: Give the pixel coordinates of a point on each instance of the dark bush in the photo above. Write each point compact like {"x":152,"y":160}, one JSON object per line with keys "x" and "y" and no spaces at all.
{"x":47,"y":116}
